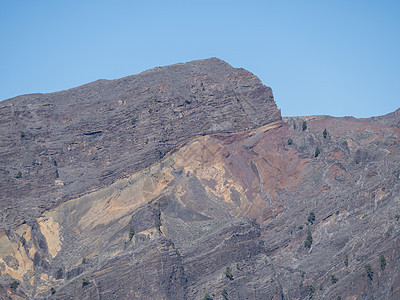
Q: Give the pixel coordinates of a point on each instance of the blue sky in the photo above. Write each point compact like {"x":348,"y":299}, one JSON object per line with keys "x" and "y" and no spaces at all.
{"x":320,"y":57}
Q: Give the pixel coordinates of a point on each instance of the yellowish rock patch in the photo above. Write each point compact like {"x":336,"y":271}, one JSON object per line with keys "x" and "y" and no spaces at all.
{"x":51,"y":231}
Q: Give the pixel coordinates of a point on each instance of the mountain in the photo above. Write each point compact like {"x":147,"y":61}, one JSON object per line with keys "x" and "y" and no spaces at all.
{"x":71,"y":142}
{"x":184,"y":182}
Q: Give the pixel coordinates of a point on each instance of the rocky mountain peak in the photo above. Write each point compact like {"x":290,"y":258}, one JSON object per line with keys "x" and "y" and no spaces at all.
{"x":72,"y":141}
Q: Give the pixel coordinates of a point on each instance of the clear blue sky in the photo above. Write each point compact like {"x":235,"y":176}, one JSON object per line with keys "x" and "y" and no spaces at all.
{"x":320,"y":57}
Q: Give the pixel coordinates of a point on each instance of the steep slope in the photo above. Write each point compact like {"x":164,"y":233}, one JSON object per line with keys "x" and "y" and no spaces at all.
{"x":54,"y":147}
{"x":227,"y":214}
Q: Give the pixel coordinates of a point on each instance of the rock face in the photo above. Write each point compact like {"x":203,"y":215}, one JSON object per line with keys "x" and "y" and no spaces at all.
{"x":54,"y":147}
{"x":245,"y":209}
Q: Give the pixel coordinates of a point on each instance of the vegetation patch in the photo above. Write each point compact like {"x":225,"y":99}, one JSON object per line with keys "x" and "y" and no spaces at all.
{"x":224,"y":294}
{"x":304,"y":127}
{"x":383,"y":262}
{"x":311,"y":218}
{"x":131,"y":232}
{"x":14,"y":285}
{"x":334,"y":279}
{"x":310,"y":291}
{"x":369,"y":272}
{"x":308,"y":241}
{"x":85,"y":281}
{"x":317,"y":152}
{"x":228,"y":273}
{"x":325,"y":133}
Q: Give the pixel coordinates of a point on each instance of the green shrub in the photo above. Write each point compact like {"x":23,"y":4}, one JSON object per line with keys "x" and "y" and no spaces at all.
{"x":290,"y":141}
{"x":383,"y":262}
{"x":53,"y":291}
{"x":85,"y":281}
{"x":224,"y":294}
{"x":19,"y":175}
{"x":133,"y":121}
{"x":304,"y":127}
{"x":131,"y":233}
{"x":397,"y":216}
{"x":317,"y":152}
{"x":14,"y":285}
{"x":22,"y":134}
{"x":369,"y":271}
{"x":325,"y":133}
{"x":334,"y":279}
{"x":311,"y":218}
{"x":346,"y":261}
{"x":310,"y":291}
{"x":308,"y":241}
{"x":207,"y":297}
{"x":228,"y":273}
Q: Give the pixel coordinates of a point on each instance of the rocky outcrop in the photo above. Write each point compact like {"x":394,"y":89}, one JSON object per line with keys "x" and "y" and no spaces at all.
{"x":54,"y":147}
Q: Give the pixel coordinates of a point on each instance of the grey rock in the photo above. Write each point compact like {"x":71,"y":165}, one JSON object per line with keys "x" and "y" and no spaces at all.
{"x":69,"y":142}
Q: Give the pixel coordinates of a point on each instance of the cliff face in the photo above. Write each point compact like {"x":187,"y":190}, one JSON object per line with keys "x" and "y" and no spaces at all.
{"x":246,"y":211}
{"x":54,"y":147}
